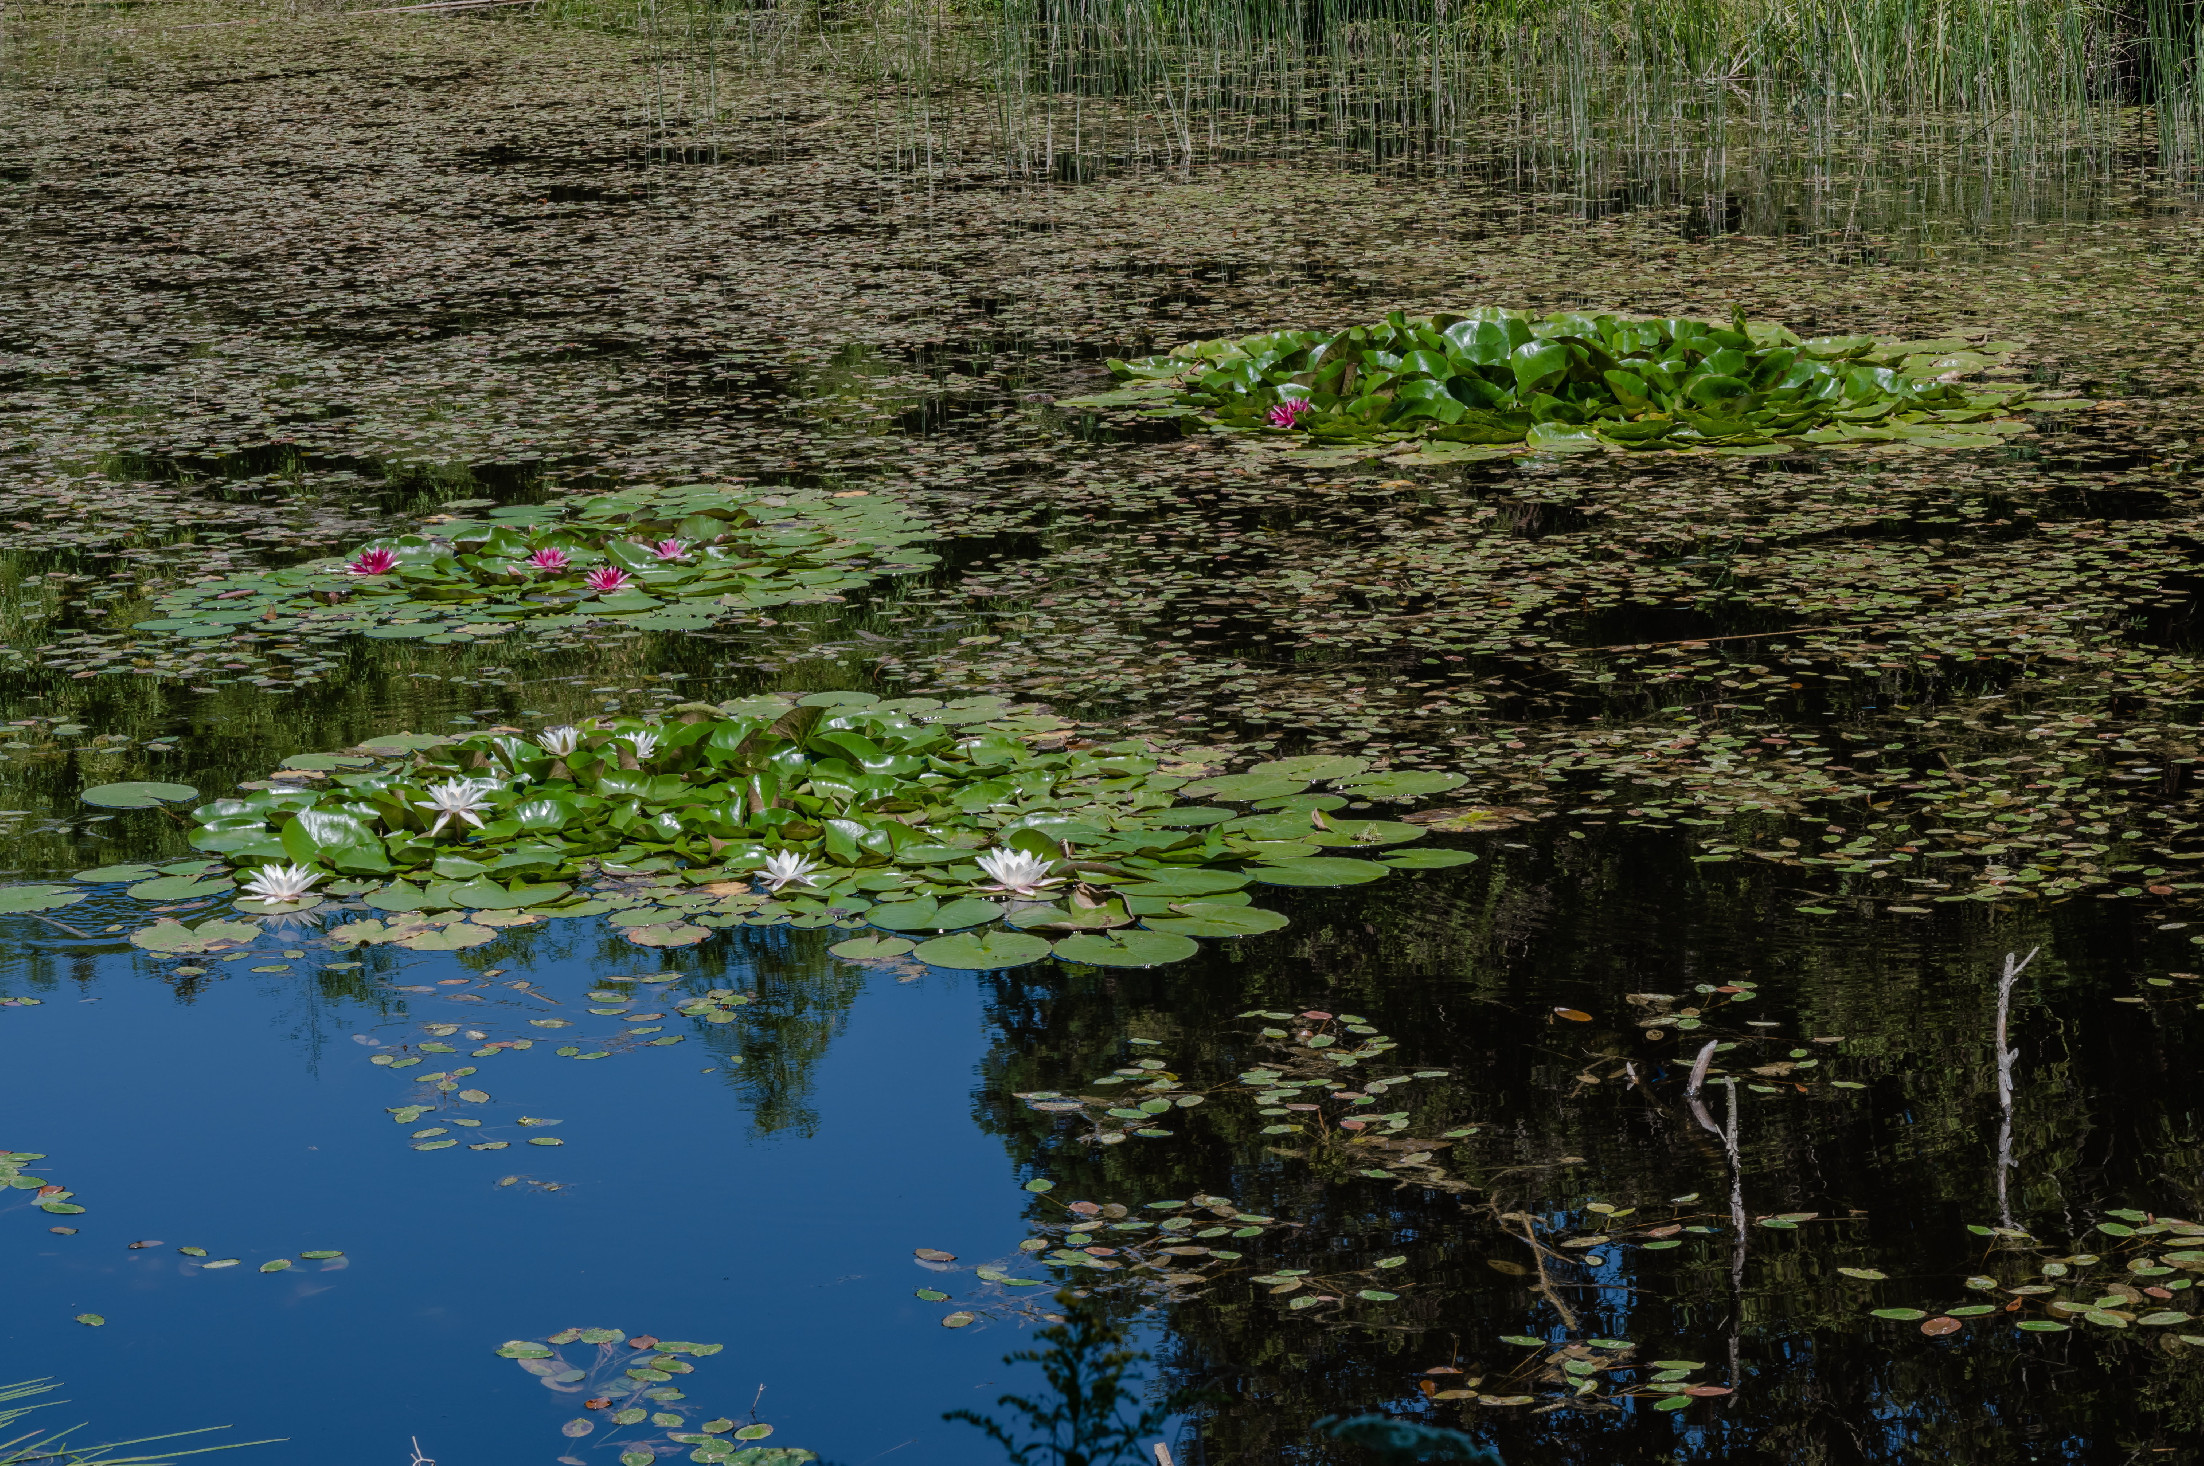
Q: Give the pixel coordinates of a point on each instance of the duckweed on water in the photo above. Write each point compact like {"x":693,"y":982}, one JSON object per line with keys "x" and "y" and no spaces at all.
{"x":1489,"y":381}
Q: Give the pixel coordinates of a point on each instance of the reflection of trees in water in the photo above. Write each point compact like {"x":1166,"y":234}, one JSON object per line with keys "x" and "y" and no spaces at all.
{"x":1465,"y":971}
{"x":800,"y":998}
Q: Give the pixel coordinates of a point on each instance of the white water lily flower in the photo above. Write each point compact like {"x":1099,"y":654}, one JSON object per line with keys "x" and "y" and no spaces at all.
{"x":282,"y":882}
{"x":785,"y":866}
{"x":560,"y":741}
{"x":645,"y":744}
{"x":1018,"y":872}
{"x":456,"y":799}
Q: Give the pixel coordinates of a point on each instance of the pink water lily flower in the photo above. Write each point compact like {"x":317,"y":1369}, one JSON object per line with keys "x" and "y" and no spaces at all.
{"x":1290,"y":411}
{"x":372,"y":562}
{"x":547,"y":560}
{"x":670,"y":550}
{"x":605,"y":580}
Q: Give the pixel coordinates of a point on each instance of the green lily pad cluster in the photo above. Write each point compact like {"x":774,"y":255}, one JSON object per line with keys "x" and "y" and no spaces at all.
{"x":634,"y":1403}
{"x":2143,"y":1276}
{"x":1503,"y":381}
{"x":840,"y":810}
{"x":727,"y":552}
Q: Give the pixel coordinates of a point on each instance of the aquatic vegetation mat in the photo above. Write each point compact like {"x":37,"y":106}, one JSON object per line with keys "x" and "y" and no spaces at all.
{"x":1493,"y":380}
{"x":631,"y":1382}
{"x":676,"y":559}
{"x":990,"y":834}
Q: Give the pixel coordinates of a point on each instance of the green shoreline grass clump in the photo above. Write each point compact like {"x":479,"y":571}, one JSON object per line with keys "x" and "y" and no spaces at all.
{"x":674,"y":559}
{"x":992,"y":826}
{"x":1490,"y":382}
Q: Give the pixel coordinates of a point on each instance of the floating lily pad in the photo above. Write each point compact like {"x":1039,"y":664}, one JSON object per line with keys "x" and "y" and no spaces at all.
{"x":1128,"y":948}
{"x":993,"y":949}
{"x":1216,"y":919}
{"x":106,"y":873}
{"x":668,"y":934}
{"x":38,"y":898}
{"x":1183,"y":883}
{"x":1429,"y":859}
{"x":180,"y":888}
{"x":1319,"y":870}
{"x":873,"y":949}
{"x":1402,"y":784}
{"x":137,"y":795}
{"x":208,"y":936}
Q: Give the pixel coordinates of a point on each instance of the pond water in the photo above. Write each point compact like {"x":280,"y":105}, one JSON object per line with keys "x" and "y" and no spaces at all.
{"x":1790,"y":754}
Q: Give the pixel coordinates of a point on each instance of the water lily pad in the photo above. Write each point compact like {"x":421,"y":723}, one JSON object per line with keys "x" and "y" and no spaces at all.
{"x":137,"y":795}
{"x":1181,"y":883}
{"x":38,"y":898}
{"x":1216,"y":919}
{"x":1429,"y":859}
{"x":926,"y":914}
{"x":106,"y":873}
{"x":1313,"y":767}
{"x":180,"y":888}
{"x":873,"y":949}
{"x":1243,"y":787}
{"x":667,"y":934}
{"x":487,"y":895}
{"x":991,"y":949}
{"x":1131,"y":947}
{"x":1320,"y":870}
{"x":1402,"y":784}
{"x":208,"y":936}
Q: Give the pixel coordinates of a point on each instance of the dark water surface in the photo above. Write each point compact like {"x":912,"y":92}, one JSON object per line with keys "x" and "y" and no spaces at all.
{"x":338,"y":335}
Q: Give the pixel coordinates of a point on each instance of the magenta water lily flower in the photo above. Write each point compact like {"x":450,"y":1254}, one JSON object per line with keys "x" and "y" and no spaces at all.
{"x":1290,"y":412}
{"x":670,"y":550}
{"x":605,"y":580}
{"x":547,"y":560}
{"x":372,"y":562}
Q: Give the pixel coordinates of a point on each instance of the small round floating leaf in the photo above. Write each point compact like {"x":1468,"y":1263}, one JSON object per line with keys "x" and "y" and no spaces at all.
{"x":1185,"y":883}
{"x":982,"y":951}
{"x":1523,"y":1339}
{"x":1941,"y":1325}
{"x":179,"y":888}
{"x":1429,"y":859}
{"x":1377,"y":1295}
{"x":91,"y":1320}
{"x":1040,"y":1185}
{"x":116,"y":873}
{"x":1672,"y":1402}
{"x":760,"y":1432}
{"x":872,"y":949}
{"x":931,"y":1295}
{"x":1864,"y":1274}
{"x":37,"y":898}
{"x":1311,"y":766}
{"x":1130,"y":948}
{"x":137,"y":795}
{"x":1243,"y":787}
{"x":1215,"y":919}
{"x":1902,"y":1315}
{"x":1401,"y":784}
{"x":1319,"y":870}
{"x":2041,"y":1326}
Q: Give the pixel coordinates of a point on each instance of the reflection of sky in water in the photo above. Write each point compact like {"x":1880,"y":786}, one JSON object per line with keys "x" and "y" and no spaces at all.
{"x":245,"y":1122}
